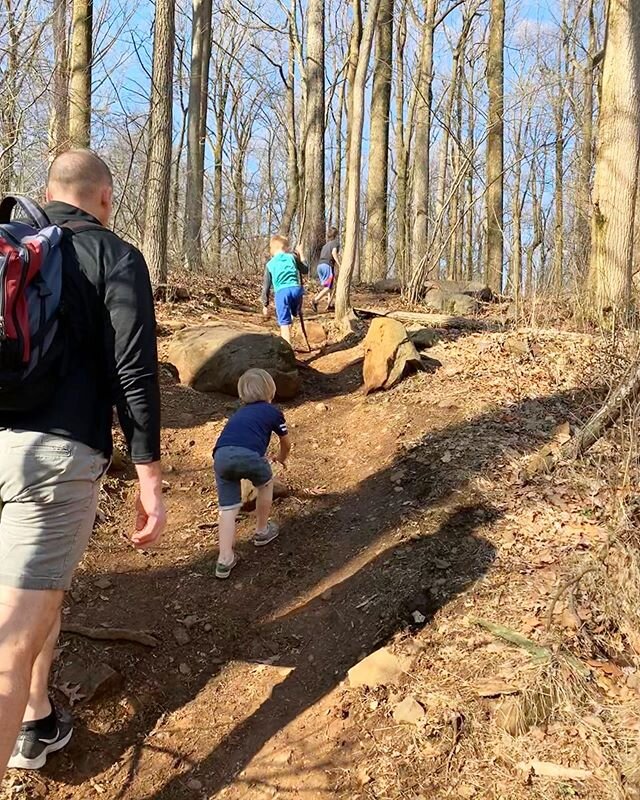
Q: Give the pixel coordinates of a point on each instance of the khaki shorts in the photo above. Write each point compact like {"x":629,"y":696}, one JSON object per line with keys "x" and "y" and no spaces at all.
{"x":48,"y":499}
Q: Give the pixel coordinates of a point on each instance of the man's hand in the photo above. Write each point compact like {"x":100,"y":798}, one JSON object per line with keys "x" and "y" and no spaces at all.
{"x":151,"y":515}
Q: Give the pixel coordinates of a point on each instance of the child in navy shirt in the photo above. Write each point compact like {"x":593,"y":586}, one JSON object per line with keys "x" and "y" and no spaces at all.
{"x":240,"y":453}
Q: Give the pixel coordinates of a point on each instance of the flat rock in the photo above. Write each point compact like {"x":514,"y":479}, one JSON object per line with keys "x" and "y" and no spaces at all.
{"x":94,"y":680}
{"x":409,"y":712}
{"x":212,"y":358}
{"x":380,"y":668}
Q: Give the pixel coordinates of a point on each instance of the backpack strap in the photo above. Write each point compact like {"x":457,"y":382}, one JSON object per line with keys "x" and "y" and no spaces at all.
{"x":28,"y":206}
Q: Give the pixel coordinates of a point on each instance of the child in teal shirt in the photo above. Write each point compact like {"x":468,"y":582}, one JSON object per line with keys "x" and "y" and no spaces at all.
{"x":283,"y":274}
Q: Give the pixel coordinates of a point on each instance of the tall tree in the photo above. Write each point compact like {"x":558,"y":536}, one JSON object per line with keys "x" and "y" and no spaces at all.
{"x":59,"y":124}
{"x":160,"y":136}
{"x":293,"y":175}
{"x":375,"y":264}
{"x":350,"y":255}
{"x":80,"y":74}
{"x":617,"y":161}
{"x":495,"y":147}
{"x":196,"y":132}
{"x":402,"y":243}
{"x":313,"y":228}
{"x":422,"y":144}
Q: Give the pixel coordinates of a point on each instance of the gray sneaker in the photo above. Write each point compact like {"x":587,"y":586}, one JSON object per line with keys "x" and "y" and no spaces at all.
{"x":266,"y":536}
{"x":224,"y":570}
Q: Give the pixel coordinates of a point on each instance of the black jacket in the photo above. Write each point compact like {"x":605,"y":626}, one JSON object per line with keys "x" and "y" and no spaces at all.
{"x":112,"y":355}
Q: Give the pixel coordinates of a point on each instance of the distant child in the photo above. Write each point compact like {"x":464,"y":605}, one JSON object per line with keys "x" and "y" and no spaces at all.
{"x":240,"y":453}
{"x":284,"y":274}
{"x":329,"y":260}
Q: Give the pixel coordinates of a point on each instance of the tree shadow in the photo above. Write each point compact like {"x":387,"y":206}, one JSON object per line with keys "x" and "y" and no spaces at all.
{"x":375,"y":542}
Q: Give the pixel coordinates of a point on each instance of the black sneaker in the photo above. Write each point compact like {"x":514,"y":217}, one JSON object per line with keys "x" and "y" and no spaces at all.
{"x":38,"y":739}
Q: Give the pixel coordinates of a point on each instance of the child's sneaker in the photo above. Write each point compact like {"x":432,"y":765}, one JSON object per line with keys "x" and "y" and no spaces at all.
{"x":267,"y":535}
{"x":224,"y":570}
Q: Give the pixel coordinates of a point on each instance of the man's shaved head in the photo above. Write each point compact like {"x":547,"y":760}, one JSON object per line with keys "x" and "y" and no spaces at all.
{"x":79,"y":171}
{"x":81,"y":178}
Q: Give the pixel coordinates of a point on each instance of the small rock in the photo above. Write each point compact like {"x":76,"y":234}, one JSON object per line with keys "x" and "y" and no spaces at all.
{"x":103,"y":583}
{"x":94,"y":680}
{"x":208,"y":627}
{"x":184,"y":669}
{"x":322,"y":407}
{"x":190,"y":621}
{"x":447,"y":457}
{"x":419,"y":618}
{"x":378,"y":669}
{"x":195,"y":784}
{"x":424,"y":338}
{"x":181,"y":635}
{"x":409,"y":712}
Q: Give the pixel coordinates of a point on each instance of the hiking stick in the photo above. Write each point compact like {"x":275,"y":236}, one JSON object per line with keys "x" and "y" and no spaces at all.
{"x":304,"y":331}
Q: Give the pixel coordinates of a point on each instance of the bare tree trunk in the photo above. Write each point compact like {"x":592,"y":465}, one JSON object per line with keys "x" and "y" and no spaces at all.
{"x":313,"y":231}
{"x":583,"y":210}
{"x":350,"y":254}
{"x":59,"y":125}
{"x":355,"y":39}
{"x":80,"y":79}
{"x":515,"y":271}
{"x":422,"y":143}
{"x":495,"y":147}
{"x":471,"y":145}
{"x":617,"y":162}
{"x":196,"y":133}
{"x":175,"y":181}
{"x":375,"y":252}
{"x":402,"y":243}
{"x":160,"y":133}
{"x":293,"y":175}
{"x":336,"y":184}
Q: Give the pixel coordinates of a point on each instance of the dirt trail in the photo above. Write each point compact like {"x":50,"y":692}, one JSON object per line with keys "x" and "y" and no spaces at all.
{"x":245,"y":696}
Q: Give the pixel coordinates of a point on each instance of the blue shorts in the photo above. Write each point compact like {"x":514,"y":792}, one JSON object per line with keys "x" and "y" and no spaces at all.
{"x":288,"y":304}
{"x":231,"y":465}
{"x":325,"y":275}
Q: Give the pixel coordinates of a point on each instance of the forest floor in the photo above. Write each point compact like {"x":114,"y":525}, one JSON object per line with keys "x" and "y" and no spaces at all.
{"x":407,"y":519}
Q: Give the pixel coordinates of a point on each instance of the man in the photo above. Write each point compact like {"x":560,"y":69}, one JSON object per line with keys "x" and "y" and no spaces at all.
{"x":328,"y":263}
{"x":52,"y":458}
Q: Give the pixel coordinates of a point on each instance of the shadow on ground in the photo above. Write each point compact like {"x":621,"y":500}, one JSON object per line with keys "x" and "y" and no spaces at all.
{"x":381,"y":545}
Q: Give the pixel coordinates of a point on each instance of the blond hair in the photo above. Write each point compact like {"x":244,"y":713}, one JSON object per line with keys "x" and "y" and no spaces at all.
{"x":256,"y":385}
{"x":283,"y":241}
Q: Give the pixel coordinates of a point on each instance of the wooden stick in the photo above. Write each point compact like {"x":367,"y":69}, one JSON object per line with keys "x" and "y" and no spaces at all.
{"x":111,"y":634}
{"x":513,"y":637}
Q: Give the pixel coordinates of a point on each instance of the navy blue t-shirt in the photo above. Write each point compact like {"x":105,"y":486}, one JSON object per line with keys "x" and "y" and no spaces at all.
{"x":252,"y":426}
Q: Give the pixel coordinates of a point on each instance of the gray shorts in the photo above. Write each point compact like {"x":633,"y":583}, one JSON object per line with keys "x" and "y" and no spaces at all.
{"x":48,"y":499}
{"x":231,"y":465}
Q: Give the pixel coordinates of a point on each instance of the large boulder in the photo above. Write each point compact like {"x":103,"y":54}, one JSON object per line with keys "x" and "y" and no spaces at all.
{"x":212,"y":358}
{"x":456,"y":297}
{"x":389,"y":354}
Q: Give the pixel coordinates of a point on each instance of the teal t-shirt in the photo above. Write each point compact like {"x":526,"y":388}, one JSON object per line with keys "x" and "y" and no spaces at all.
{"x":283,"y":269}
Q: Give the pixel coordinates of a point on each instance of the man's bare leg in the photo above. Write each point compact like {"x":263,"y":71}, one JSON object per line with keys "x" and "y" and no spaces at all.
{"x":38,"y":705}
{"x":27,"y":619}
